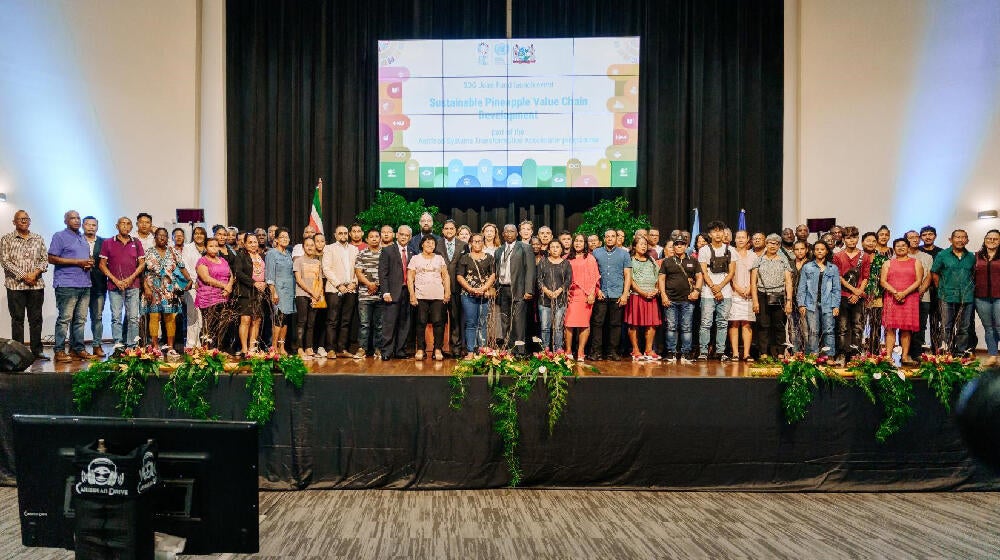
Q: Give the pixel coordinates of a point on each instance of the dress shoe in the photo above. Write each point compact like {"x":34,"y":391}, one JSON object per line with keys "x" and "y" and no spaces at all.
{"x":42,"y":357}
{"x":63,"y":357}
{"x":83,"y":355}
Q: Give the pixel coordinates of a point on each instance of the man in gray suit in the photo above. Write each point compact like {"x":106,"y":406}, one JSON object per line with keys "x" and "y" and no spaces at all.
{"x":515,"y":285}
{"x":452,"y":248}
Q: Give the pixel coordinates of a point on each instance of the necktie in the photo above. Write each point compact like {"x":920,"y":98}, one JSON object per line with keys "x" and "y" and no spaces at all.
{"x":403,"y":253}
{"x":451,"y":250}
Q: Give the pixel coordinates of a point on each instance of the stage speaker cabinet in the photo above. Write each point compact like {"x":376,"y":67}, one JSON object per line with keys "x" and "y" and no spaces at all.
{"x":14,"y":356}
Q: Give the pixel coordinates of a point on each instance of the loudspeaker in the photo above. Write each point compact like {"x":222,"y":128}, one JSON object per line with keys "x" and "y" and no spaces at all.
{"x":978,"y":415}
{"x":14,"y":356}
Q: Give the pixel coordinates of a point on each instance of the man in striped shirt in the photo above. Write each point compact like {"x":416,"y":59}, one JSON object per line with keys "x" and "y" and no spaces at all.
{"x":25,"y":258}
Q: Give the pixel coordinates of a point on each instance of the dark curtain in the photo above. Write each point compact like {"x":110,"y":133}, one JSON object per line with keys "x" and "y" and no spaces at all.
{"x":301,"y":94}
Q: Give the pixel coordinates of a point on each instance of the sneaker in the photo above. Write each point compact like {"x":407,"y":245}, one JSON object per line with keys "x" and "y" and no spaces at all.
{"x":99,"y":352}
{"x":359,"y":355}
{"x":703,"y":357}
{"x":653,"y":357}
{"x":637,"y":357}
{"x":724,"y":358}
{"x":670,"y":358}
{"x":686,"y":361}
{"x":172,"y":354}
{"x":321,"y":352}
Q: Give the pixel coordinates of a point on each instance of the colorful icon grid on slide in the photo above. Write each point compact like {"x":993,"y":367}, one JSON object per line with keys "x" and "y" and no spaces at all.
{"x":480,"y":121}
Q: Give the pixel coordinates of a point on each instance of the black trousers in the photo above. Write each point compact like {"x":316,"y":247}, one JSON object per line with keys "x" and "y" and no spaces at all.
{"x":430,"y":311}
{"x":339,"y":311}
{"x":307,"y":320}
{"x":850,"y":327}
{"x":395,"y":329}
{"x":513,"y":320}
{"x":30,"y":301}
{"x":606,"y":326}
{"x":770,"y":328}
{"x":918,"y":338}
{"x":456,"y":325}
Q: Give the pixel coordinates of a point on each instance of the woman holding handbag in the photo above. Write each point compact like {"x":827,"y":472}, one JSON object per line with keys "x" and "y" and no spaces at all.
{"x":160,"y":290}
{"x":476,"y":274}
{"x":771,"y":286}
{"x":308,"y":295}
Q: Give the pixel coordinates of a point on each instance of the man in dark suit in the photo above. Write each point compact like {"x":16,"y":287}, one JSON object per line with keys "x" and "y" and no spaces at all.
{"x":515,"y":285}
{"x":426,"y":229}
{"x":394,"y":293}
{"x":98,"y":284}
{"x":451,"y":248}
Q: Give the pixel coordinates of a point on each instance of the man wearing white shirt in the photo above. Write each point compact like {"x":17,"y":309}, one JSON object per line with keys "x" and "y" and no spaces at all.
{"x":341,"y":291}
{"x":144,"y":231}
{"x":718,"y":265}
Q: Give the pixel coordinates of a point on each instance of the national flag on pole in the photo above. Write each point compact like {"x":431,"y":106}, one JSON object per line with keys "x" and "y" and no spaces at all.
{"x":695,"y":226}
{"x":741,"y":223}
{"x":316,"y":213}
{"x":695,"y":230}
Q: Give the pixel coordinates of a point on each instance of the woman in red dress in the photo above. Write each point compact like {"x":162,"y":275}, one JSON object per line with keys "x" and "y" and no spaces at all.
{"x":900,"y":278}
{"x":582,"y":291}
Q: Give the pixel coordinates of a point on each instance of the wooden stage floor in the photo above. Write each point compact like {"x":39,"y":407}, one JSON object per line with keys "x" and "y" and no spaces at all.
{"x":429,"y":367}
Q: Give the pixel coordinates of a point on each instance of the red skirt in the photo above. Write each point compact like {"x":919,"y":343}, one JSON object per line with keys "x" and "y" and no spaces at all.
{"x":640,"y":312}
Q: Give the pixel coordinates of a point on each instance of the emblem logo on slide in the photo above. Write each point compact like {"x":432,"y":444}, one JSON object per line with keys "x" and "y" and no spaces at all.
{"x":524,"y":55}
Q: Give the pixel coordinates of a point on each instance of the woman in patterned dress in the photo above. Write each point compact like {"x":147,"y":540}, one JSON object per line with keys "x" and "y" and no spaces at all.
{"x":873,"y":290}
{"x":900,"y":278}
{"x":160,"y":291}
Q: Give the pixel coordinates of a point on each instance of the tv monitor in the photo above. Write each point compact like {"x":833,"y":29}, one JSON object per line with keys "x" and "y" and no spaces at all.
{"x":190,"y":215}
{"x":208,"y":471}
{"x":820,"y":225}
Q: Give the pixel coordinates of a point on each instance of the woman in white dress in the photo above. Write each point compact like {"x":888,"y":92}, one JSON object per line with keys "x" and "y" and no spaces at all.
{"x":741,"y":313}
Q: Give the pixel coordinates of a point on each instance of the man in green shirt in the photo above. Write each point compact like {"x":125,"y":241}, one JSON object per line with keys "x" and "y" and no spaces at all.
{"x":952,"y":274}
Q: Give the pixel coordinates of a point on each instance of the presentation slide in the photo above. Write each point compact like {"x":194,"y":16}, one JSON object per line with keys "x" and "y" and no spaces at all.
{"x":477,"y":113}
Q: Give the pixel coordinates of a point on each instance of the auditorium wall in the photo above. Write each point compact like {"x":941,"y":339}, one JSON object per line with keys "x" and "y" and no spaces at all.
{"x":98,"y":113}
{"x":895,"y":117}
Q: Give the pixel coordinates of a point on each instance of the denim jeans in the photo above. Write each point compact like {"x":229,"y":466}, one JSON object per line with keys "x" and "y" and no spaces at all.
{"x":551,"y":320}
{"x":370,"y":319}
{"x":71,"y":305}
{"x":475,"y":311}
{"x":956,"y":320}
{"x":97,"y":297}
{"x":130,"y":302}
{"x":717,"y":313}
{"x":821,"y":330}
{"x":989,"y":313}
{"x":679,"y":314}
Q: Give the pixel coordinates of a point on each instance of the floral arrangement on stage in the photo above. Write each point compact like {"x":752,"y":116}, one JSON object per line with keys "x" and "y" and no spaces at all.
{"x":946,"y":373}
{"x":260,"y":384}
{"x":125,"y":372}
{"x":512,"y":379}
{"x":801,"y":375}
{"x":882,"y":382}
{"x":186,"y":388}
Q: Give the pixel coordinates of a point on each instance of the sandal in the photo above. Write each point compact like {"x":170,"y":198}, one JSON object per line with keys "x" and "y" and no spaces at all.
{"x":748,"y":359}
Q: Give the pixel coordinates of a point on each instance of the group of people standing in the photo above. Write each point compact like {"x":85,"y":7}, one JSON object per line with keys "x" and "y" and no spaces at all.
{"x":375,"y":293}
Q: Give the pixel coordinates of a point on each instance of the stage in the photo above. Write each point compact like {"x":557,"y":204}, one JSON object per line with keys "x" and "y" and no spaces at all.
{"x":709,"y":425}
